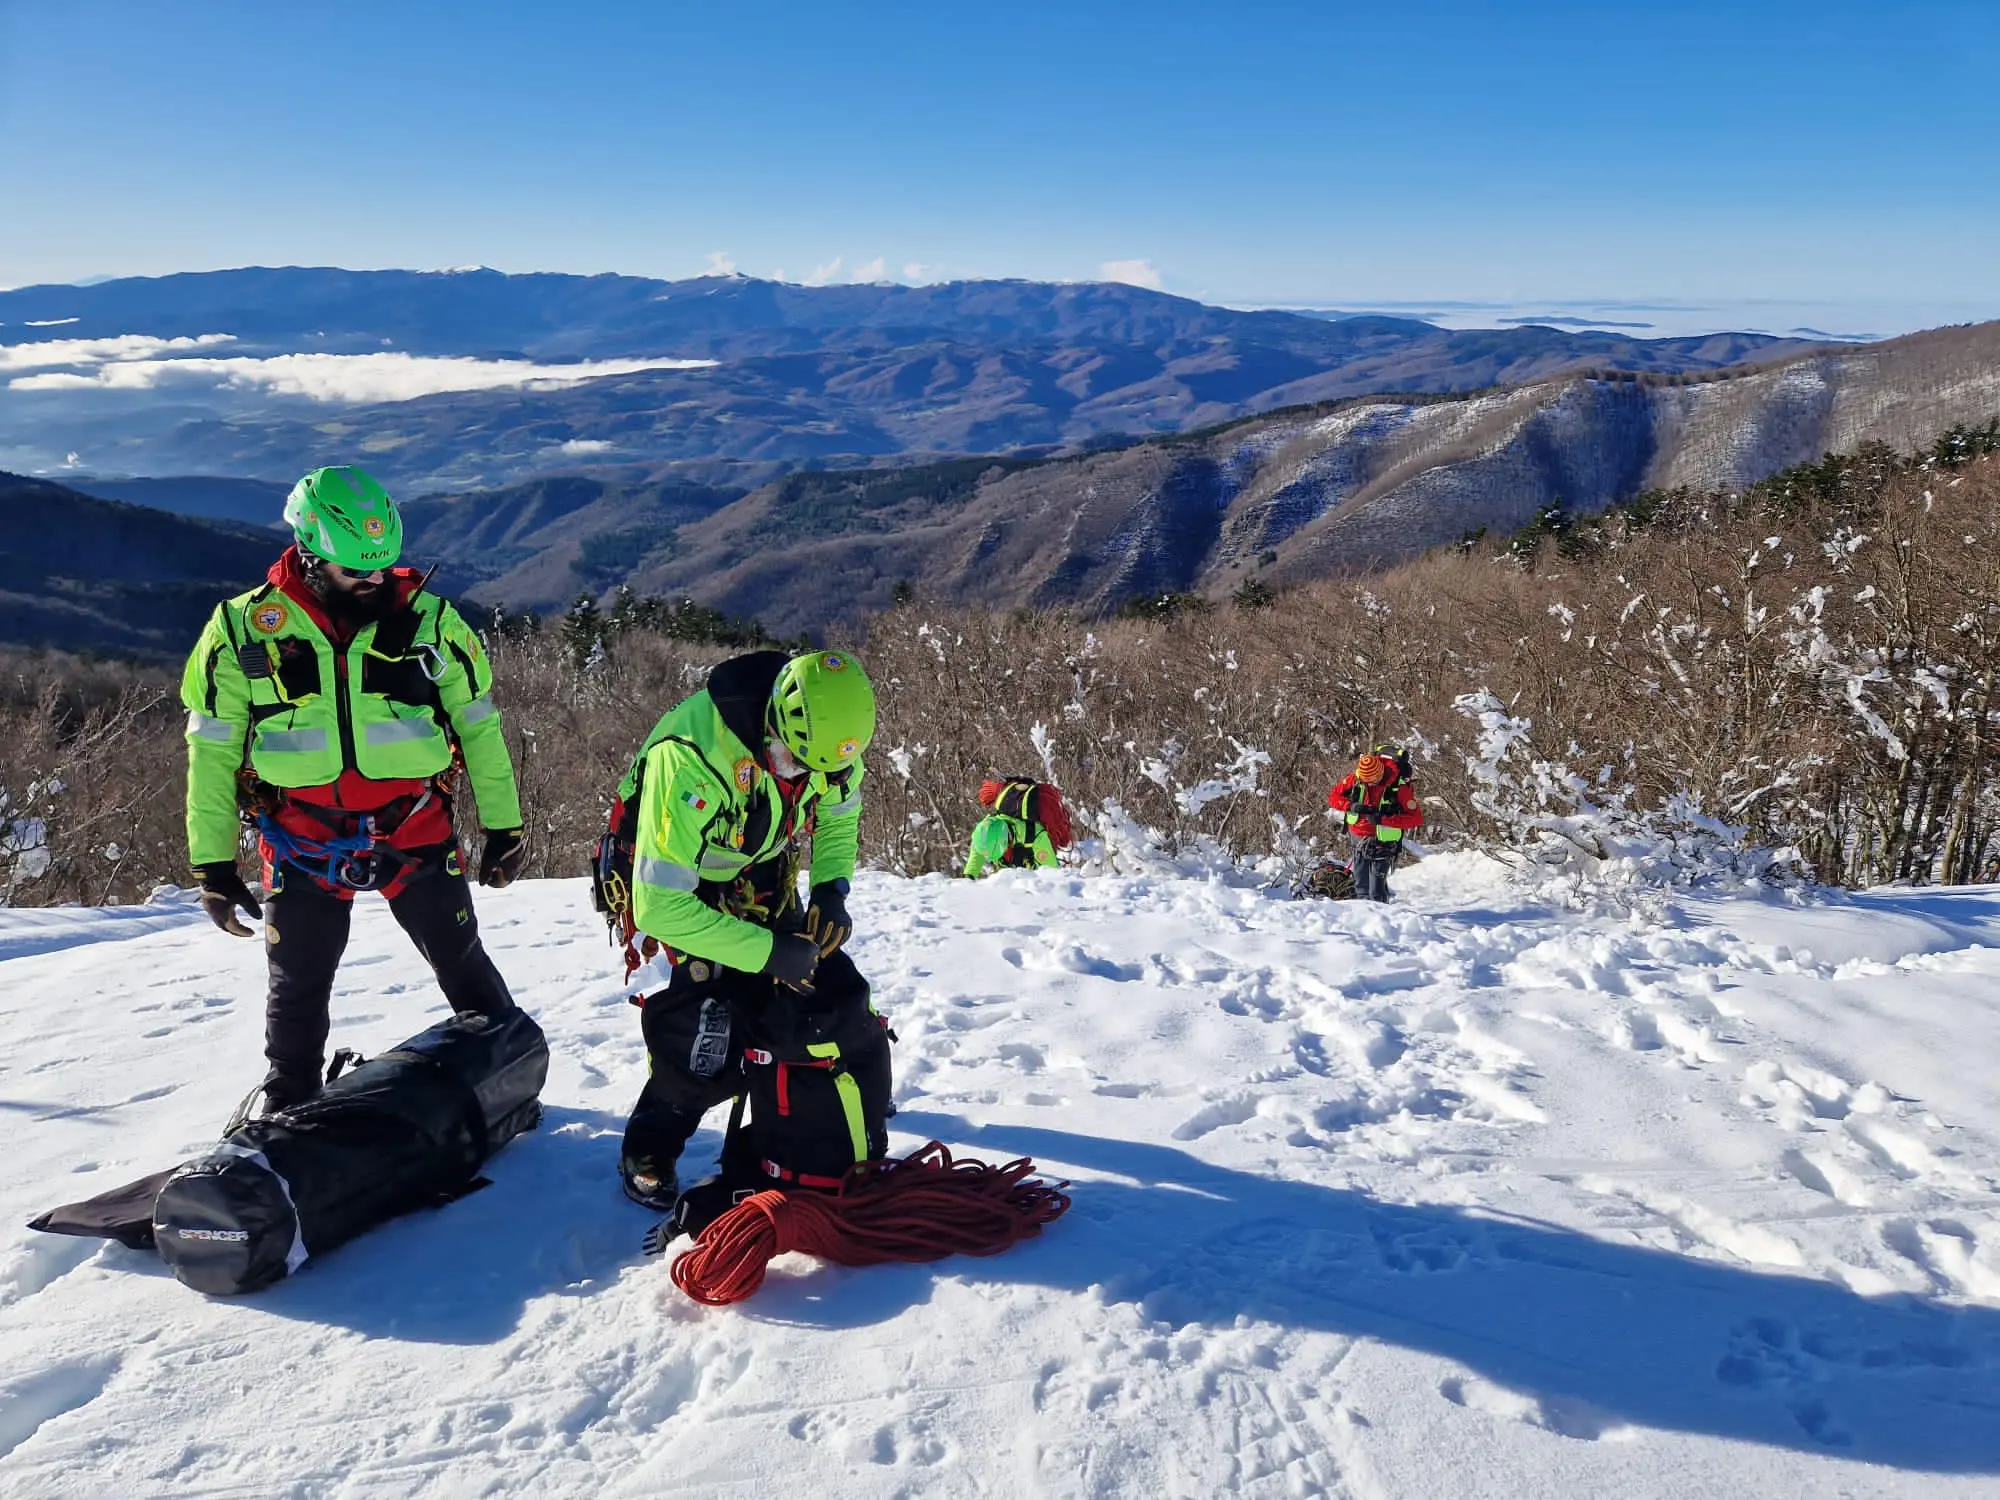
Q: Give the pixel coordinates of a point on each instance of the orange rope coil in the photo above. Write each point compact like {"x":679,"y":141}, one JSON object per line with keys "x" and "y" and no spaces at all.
{"x":921,"y":1207}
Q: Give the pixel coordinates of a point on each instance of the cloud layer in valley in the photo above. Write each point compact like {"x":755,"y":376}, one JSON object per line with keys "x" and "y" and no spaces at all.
{"x":134,"y":362}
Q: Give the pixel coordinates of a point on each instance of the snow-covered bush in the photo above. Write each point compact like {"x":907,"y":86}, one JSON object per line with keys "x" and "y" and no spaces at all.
{"x":90,"y":806}
{"x":1547,"y":814}
{"x":1808,"y":666}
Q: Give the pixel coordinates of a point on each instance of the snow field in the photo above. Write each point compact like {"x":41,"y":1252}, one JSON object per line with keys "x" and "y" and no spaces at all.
{"x":1466,"y":1195}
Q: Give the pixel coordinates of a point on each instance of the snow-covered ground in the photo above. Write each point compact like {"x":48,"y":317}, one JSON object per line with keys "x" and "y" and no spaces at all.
{"x":1466,"y":1196}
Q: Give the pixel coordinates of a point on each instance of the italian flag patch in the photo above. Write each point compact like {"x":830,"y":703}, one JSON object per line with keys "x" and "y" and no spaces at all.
{"x":694,"y":801}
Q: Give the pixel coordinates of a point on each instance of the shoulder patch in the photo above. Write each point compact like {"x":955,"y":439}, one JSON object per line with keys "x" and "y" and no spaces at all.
{"x":746,"y":772}
{"x":270,"y":617}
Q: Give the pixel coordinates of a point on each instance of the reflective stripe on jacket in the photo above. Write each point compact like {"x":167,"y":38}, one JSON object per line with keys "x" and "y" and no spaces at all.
{"x":388,"y":705}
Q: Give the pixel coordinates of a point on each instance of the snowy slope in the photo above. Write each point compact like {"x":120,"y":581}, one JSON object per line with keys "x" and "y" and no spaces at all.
{"x":1465,"y":1196}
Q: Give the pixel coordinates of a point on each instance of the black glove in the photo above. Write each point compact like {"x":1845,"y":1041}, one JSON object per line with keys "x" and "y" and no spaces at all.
{"x":827,"y":922}
{"x":222,"y":891}
{"x":500,"y":858}
{"x":792,"y":961}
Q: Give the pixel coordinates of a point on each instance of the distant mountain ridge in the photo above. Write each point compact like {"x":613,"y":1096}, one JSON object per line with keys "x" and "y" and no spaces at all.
{"x":254,"y":502}
{"x":555,"y":317}
{"x":835,"y":375}
{"x":1286,"y":497}
{"x":82,"y":574}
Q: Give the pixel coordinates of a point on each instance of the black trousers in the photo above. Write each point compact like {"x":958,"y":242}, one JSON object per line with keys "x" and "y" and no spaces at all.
{"x":305,"y":930}
{"x":1373,"y":860}
{"x":697,"y":1027}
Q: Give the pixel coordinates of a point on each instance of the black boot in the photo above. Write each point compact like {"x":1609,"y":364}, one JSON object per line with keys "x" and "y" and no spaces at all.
{"x":281,"y":1090}
{"x":655,"y":1136}
{"x":650,"y":1183}
{"x":278,"y":1092}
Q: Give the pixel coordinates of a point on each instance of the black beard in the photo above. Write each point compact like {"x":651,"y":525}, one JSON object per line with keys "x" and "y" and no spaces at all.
{"x":359,"y":609}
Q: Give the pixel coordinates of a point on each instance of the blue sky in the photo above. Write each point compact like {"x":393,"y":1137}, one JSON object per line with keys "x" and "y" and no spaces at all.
{"x":1835,"y":156}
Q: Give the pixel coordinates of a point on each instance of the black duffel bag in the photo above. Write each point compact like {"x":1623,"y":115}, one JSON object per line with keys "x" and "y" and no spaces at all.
{"x":404,"y":1130}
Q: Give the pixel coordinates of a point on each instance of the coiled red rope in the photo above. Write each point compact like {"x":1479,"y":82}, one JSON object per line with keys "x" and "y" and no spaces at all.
{"x":921,"y":1207}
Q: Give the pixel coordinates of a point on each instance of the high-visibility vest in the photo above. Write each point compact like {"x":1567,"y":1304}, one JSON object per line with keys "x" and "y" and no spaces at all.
{"x":266,"y":684}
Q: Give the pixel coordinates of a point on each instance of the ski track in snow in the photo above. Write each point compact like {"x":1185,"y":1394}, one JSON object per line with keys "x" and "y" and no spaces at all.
{"x":1463,"y":1195}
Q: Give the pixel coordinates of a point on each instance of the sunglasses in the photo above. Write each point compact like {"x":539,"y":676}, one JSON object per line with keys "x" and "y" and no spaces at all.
{"x":350,"y":575}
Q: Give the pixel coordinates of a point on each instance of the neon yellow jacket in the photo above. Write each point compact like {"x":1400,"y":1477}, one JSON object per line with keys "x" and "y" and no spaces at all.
{"x":389,"y":707}
{"x":709,"y":810}
{"x":996,"y":834}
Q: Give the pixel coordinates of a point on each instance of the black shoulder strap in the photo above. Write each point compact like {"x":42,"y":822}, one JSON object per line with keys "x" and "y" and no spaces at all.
{"x":1017,"y":800}
{"x":395,"y":635}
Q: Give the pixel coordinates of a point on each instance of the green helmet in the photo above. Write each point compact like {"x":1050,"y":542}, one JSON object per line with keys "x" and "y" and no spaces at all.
{"x":345,"y":517}
{"x":823,"y":708}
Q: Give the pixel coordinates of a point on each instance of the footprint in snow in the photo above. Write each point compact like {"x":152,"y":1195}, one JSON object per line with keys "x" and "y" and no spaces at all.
{"x":39,"y":1262}
{"x":1565,"y":1416}
{"x":30,"y":1401}
{"x":1216,"y":1116}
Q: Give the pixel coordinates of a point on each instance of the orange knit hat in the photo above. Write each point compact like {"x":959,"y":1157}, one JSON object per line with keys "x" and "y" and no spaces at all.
{"x":1370,"y":769}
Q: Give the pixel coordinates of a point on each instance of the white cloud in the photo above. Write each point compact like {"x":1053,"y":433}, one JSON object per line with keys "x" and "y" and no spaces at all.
{"x":583,"y":447}
{"x":340,"y":377}
{"x":54,"y":354}
{"x":916,"y":270}
{"x":821,"y":275}
{"x":1132,"y":273}
{"x":49,"y":322}
{"x":875,"y":270}
{"x":720,"y":263}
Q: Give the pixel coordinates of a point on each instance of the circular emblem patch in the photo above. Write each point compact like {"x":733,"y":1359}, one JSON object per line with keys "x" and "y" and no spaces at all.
{"x":833,"y":661}
{"x":269,"y":618}
{"x":746,"y":771}
{"x":374,"y":527}
{"x":849,"y":749}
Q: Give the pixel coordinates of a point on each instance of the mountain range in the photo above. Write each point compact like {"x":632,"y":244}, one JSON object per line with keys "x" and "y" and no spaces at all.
{"x":1285,"y":497}
{"x":988,"y":443}
{"x":82,"y":574}
{"x":830,"y":376}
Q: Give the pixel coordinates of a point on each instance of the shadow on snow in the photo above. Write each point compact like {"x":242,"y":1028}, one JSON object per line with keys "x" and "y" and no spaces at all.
{"x":552,"y":1224}
{"x":1598,"y":1334}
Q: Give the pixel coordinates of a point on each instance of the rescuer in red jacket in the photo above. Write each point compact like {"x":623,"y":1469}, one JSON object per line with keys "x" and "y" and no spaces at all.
{"x":1380,"y":806}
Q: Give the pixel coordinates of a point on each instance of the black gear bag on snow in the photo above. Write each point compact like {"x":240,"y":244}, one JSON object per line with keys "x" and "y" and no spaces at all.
{"x":405,"y":1130}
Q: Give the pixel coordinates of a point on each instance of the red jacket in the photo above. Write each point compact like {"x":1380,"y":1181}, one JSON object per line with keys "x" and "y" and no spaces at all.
{"x":1390,"y":803}
{"x":353,"y":793}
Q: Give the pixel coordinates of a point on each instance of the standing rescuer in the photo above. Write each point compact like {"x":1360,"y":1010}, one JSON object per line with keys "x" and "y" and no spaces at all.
{"x":1380,"y":806}
{"x":738,"y":791}
{"x":327,"y":706}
